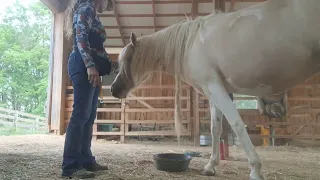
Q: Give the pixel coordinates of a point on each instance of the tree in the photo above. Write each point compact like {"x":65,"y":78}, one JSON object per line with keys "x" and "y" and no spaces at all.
{"x":24,"y":57}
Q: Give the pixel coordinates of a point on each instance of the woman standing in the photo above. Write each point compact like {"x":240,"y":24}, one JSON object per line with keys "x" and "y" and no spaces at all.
{"x":87,"y":62}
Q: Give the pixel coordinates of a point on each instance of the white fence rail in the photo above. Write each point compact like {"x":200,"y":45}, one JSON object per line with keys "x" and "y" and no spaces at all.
{"x":19,"y":120}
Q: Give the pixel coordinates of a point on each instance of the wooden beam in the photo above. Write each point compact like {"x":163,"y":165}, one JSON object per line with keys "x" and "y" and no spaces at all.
{"x":155,"y":121}
{"x":132,"y":110}
{"x":60,"y":54}
{"x":232,"y":6}
{"x":194,"y":8}
{"x":156,"y":133}
{"x":196,"y":126}
{"x":154,"y":15}
{"x":134,"y":27}
{"x":225,"y":132}
{"x":63,"y":5}
{"x":119,"y":24}
{"x":50,"y":78}
{"x":55,"y":5}
{"x":275,"y":124}
{"x":246,"y":0}
{"x":245,"y":112}
{"x":280,"y":136}
{"x":146,"y":86}
{"x":159,"y":2}
{"x":148,"y":105}
{"x":174,"y":1}
{"x":220,"y":5}
{"x":143,"y":98}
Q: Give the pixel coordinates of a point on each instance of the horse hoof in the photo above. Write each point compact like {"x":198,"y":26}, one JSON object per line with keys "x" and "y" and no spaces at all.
{"x":208,"y":172}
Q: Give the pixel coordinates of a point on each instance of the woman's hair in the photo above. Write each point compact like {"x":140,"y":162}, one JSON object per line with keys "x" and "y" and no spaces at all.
{"x":72,"y":7}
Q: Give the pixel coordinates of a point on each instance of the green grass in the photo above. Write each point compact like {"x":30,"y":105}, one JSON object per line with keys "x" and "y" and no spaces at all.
{"x":4,"y":131}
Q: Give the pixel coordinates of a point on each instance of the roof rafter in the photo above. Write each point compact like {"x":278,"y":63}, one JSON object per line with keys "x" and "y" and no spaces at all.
{"x":119,"y":24}
{"x":55,"y":5}
{"x":135,"y":27}
{"x":220,"y":5}
{"x":151,"y":15}
{"x":156,"y":2}
{"x":175,"y":1}
{"x":154,"y":15}
{"x":194,"y":8}
{"x":232,"y":6}
{"x":130,"y":16}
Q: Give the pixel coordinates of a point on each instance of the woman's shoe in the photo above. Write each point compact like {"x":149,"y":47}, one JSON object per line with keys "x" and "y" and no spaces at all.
{"x":96,"y":167}
{"x":81,"y":174}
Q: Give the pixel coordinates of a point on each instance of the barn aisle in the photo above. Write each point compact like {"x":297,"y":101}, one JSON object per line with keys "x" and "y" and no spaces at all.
{"x":39,"y":157}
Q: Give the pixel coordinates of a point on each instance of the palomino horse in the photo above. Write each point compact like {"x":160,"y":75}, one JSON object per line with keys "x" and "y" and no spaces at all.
{"x":262,"y":50}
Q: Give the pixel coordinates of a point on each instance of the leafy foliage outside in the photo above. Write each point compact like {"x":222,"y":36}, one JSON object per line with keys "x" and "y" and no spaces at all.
{"x":246,"y":104}
{"x":7,"y":131}
{"x":24,"y":57}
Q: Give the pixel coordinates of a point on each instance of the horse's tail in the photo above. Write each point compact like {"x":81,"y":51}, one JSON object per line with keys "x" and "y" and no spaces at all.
{"x":177,"y":115}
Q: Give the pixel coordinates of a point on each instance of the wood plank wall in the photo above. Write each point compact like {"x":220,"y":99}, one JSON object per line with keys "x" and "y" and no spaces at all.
{"x":304,"y":110}
{"x":152,"y":105}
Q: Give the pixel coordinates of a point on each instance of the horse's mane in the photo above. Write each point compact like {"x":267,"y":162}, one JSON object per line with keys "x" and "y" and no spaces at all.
{"x":167,"y":49}
{"x":166,"y":46}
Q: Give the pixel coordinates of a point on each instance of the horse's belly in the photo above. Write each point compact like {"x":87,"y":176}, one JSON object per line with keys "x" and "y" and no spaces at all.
{"x":266,"y":80}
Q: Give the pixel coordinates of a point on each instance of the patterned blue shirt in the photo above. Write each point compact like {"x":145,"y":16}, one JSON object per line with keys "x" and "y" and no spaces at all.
{"x":87,"y":21}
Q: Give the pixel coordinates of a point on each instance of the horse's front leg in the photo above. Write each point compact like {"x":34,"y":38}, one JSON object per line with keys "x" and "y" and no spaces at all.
{"x":217,"y":94}
{"x":216,"y":130}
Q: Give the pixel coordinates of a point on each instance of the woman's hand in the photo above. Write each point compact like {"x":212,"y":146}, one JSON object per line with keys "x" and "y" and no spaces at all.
{"x":93,"y":76}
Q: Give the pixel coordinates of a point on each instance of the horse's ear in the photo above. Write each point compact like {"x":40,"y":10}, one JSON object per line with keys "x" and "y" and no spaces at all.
{"x":133,"y":39}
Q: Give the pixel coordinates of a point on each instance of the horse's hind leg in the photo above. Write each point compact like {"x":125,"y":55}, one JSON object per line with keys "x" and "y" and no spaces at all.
{"x":216,"y":130}
{"x":218,"y":95}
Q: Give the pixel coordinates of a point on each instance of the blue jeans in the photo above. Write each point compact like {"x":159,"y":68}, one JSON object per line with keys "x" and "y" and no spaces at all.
{"x":77,"y":149}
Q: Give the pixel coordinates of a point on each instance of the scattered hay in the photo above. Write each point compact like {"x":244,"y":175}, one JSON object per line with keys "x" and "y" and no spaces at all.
{"x":39,"y":157}
{"x":229,"y":169}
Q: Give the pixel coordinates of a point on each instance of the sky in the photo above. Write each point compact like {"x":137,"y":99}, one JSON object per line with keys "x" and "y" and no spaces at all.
{"x":6,"y":3}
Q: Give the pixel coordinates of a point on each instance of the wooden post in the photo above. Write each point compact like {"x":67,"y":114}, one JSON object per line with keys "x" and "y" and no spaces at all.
{"x":126,"y":126}
{"x":50,"y":78}
{"x":219,"y":5}
{"x":123,"y":119}
{"x":36,"y":124}
{"x":196,"y":119}
{"x":55,"y":6}
{"x":16,"y":115}
{"x":192,"y":118}
{"x":95,"y":130}
{"x":59,"y":58}
{"x":225,"y":132}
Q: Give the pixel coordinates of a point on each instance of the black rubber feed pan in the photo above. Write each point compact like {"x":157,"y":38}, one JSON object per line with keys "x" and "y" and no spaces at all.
{"x":172,"y":162}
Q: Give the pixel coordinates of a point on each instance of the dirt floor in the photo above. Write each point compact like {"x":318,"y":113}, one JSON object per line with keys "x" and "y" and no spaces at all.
{"x":39,"y":157}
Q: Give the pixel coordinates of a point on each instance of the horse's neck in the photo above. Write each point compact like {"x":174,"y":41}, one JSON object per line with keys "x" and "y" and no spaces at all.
{"x":160,"y":59}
